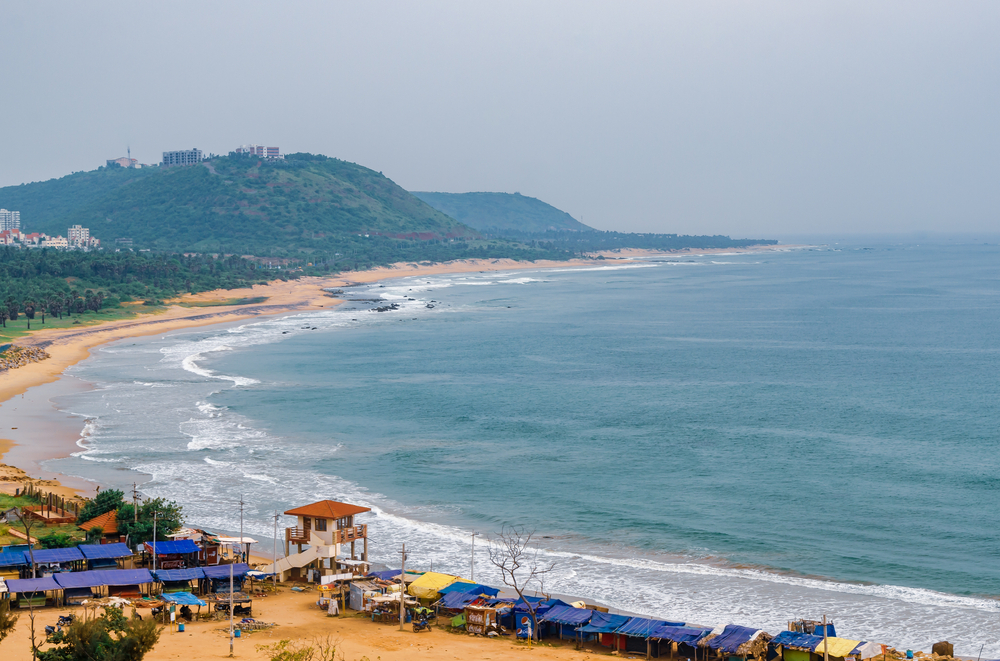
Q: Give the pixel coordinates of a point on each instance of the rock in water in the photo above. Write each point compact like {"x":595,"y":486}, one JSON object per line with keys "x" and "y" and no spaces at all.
{"x":944,"y":648}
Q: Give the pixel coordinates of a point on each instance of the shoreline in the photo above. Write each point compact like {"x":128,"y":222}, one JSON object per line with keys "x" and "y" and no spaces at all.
{"x":67,"y":347}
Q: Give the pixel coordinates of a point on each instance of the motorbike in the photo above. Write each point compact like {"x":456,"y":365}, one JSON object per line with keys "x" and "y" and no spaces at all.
{"x":421,"y":625}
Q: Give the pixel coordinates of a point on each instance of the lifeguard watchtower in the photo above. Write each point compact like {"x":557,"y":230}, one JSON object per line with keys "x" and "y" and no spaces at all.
{"x":325,"y":527}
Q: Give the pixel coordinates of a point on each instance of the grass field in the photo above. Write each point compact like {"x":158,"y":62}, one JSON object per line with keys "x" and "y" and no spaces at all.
{"x":19,"y":328}
{"x":7,"y":501}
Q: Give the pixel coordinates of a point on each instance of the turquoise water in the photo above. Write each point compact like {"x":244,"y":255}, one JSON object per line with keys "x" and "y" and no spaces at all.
{"x":746,"y":438}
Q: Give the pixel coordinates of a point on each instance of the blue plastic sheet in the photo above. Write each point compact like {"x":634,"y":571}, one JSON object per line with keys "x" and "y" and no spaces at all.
{"x":568,"y":615}
{"x":805,"y":641}
{"x":731,"y":638}
{"x":182,"y":598}
{"x":640,"y":627}
{"x":687,"y":635}
{"x":181,"y":546}
{"x":101,"y":551}
{"x":193,"y":574}
{"x":222,"y":571}
{"x":604,"y":623}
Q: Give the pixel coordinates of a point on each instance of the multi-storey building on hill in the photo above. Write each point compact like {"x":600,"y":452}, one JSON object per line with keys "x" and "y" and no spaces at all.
{"x":260,"y":151}
{"x":183,"y":157}
{"x":10,"y":220}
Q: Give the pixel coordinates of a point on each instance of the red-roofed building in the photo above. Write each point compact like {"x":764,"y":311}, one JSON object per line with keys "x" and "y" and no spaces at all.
{"x":325,"y":527}
{"x":107,"y":522}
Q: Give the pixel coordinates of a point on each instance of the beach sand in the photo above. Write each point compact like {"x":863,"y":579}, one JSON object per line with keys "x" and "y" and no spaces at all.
{"x":298,"y":618}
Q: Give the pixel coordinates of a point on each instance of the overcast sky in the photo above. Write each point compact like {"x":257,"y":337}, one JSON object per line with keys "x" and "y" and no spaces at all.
{"x":758,"y":119}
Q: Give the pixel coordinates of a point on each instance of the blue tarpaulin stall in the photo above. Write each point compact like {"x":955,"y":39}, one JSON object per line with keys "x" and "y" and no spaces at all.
{"x":567,"y":619}
{"x":731,"y":640}
{"x":170,"y":575}
{"x":31,"y":591}
{"x":44,"y":584}
{"x":54,"y":556}
{"x":796,"y":640}
{"x":104,"y":556}
{"x":679,"y":634}
{"x":172,"y":547}
{"x":184,"y":599}
{"x":603,"y":625}
{"x":636,"y":631}
{"x":239,"y":570}
{"x":12,"y":559}
{"x":455,"y":601}
{"x":471,"y":588}
{"x":102,"y":577}
{"x":219,"y":575}
{"x":387,"y":575}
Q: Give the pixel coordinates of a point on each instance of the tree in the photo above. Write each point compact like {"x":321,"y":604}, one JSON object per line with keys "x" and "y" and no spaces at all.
{"x":28,"y":521}
{"x":110,"y":637}
{"x":519,"y":565}
{"x":104,"y":502}
{"x":8,"y":619}
{"x":169,"y":517}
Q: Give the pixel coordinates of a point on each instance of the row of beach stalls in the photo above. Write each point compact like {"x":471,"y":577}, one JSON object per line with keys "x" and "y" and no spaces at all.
{"x":480,"y":608}
{"x":75,"y":575}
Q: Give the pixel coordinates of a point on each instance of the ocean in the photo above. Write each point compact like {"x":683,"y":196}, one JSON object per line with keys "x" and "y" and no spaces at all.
{"x":724,"y":438}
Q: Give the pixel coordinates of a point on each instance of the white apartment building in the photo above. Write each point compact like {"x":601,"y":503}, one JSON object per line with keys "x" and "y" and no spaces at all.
{"x":79,"y":236}
{"x":260,"y":150}
{"x":10,"y":220}
{"x":183,"y":157}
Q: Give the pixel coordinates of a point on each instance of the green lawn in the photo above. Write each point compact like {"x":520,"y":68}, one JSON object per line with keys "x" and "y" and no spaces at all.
{"x":19,"y":328}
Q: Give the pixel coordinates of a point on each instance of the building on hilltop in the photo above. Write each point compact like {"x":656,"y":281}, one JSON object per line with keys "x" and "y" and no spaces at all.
{"x":260,"y":151}
{"x":78,"y":236}
{"x":124,"y":162}
{"x":10,"y":220}
{"x":183,"y":157}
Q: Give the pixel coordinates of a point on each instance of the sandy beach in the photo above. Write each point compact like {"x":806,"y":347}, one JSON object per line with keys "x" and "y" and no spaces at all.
{"x":298,"y":618}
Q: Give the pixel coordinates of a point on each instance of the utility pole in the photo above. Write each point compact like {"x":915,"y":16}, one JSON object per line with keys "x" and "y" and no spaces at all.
{"x":155,"y":514}
{"x":231,"y":607}
{"x":826,"y":649}
{"x":402,"y":589}
{"x":472,"y":564}
{"x":135,"y":502}
{"x":241,"y":526}
{"x":274,"y":554}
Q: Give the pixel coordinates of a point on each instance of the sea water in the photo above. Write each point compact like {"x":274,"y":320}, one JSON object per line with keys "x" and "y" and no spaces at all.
{"x":744,"y":438}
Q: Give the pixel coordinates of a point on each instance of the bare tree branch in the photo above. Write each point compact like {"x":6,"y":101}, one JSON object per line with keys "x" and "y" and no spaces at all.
{"x":519,"y":565}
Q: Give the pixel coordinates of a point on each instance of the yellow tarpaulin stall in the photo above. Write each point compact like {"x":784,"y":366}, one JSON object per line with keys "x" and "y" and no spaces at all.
{"x":428,"y":585}
{"x":837,"y":646}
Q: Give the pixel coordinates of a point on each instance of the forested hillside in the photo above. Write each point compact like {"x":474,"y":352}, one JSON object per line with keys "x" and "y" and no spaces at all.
{"x":502,"y":211}
{"x":301,"y":205}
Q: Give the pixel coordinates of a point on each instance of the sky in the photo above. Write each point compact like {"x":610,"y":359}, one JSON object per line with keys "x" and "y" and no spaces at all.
{"x":753,"y":119}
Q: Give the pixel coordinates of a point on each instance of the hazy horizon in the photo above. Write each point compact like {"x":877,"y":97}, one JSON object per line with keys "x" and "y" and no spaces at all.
{"x":761,"y":120}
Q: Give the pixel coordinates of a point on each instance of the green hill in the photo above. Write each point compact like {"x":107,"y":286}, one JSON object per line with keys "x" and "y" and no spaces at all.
{"x":297,"y":206}
{"x":502,"y":211}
